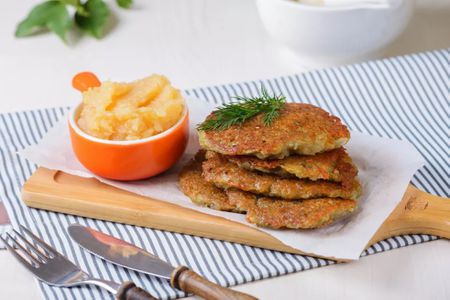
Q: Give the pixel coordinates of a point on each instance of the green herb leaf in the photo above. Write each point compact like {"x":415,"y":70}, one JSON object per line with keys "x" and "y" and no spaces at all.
{"x":71,"y":2}
{"x":94,"y":19}
{"x":51,"y":15}
{"x":247,"y":108}
{"x":77,"y":5}
{"x":124,"y":3}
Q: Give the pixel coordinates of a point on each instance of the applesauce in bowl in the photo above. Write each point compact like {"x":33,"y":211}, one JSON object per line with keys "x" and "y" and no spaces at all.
{"x":128,"y":131}
{"x":130,"y":111}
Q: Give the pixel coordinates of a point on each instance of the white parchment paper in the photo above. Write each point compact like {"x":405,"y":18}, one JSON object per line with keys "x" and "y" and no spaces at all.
{"x":385,"y":169}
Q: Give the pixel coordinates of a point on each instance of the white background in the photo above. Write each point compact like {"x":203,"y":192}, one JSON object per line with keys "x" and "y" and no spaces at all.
{"x":197,"y":43}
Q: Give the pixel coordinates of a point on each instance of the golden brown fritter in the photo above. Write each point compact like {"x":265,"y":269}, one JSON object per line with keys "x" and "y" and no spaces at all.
{"x":241,"y":200}
{"x":334,"y":165}
{"x":300,"y":129}
{"x":299,"y":214}
{"x":262,"y":211}
{"x":224,"y":174}
{"x":199,"y":190}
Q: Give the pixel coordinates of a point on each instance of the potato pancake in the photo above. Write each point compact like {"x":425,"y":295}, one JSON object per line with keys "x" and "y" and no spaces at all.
{"x":298,"y":214}
{"x":263,"y":211}
{"x":334,"y":165}
{"x":301,"y":128}
{"x":199,"y":190}
{"x":224,"y":174}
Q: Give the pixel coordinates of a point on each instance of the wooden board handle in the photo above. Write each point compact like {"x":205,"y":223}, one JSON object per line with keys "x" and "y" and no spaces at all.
{"x":418,"y":213}
{"x":187,"y":280}
{"x":129,"y":291}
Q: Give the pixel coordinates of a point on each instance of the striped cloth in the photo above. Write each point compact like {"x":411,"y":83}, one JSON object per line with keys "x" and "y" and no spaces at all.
{"x":404,"y":98}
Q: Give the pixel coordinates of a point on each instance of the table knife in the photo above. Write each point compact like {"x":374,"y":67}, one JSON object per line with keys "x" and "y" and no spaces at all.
{"x":130,"y":256}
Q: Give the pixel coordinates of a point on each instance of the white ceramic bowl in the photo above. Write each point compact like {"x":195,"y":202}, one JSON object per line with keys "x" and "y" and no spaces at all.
{"x":327,"y":35}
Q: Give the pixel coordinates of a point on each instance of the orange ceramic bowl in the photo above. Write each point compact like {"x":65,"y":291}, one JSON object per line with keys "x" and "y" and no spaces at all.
{"x":129,"y":160}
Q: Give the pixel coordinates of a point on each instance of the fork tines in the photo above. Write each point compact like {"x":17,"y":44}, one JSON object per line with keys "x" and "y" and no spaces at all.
{"x":31,"y":251}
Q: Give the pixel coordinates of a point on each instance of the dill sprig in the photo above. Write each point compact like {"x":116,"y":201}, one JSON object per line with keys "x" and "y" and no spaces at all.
{"x":236,"y":113}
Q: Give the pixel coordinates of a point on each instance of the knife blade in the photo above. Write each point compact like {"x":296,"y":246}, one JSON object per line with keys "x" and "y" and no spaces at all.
{"x":127,"y":255}
{"x":119,"y":252}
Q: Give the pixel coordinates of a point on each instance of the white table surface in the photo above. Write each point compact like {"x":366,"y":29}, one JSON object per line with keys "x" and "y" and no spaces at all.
{"x":198,"y":43}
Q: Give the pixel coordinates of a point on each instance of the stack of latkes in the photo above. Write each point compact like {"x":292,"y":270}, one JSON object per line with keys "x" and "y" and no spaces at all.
{"x":293,"y":173}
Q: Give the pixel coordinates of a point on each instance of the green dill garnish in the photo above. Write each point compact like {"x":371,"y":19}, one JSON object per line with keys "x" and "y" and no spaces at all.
{"x":236,"y":113}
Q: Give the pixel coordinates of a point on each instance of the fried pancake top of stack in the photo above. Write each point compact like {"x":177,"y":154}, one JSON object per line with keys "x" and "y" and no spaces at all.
{"x":224,"y":174}
{"x":300,"y":129}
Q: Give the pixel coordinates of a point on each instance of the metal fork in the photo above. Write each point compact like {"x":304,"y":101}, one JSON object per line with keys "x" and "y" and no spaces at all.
{"x":54,"y":269}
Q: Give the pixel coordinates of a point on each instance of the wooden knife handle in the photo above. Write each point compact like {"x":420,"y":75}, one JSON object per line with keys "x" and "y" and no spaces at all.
{"x":129,"y":291}
{"x":187,"y":280}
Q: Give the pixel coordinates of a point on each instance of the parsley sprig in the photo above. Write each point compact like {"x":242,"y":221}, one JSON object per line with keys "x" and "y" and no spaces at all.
{"x":90,"y":16}
{"x":236,"y":113}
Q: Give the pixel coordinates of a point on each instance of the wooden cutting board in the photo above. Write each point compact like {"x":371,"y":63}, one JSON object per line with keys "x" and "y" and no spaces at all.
{"x":418,"y":212}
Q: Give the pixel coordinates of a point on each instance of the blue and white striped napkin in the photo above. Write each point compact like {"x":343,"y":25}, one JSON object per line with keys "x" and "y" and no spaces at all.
{"x":5,"y":223}
{"x":404,"y":98}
